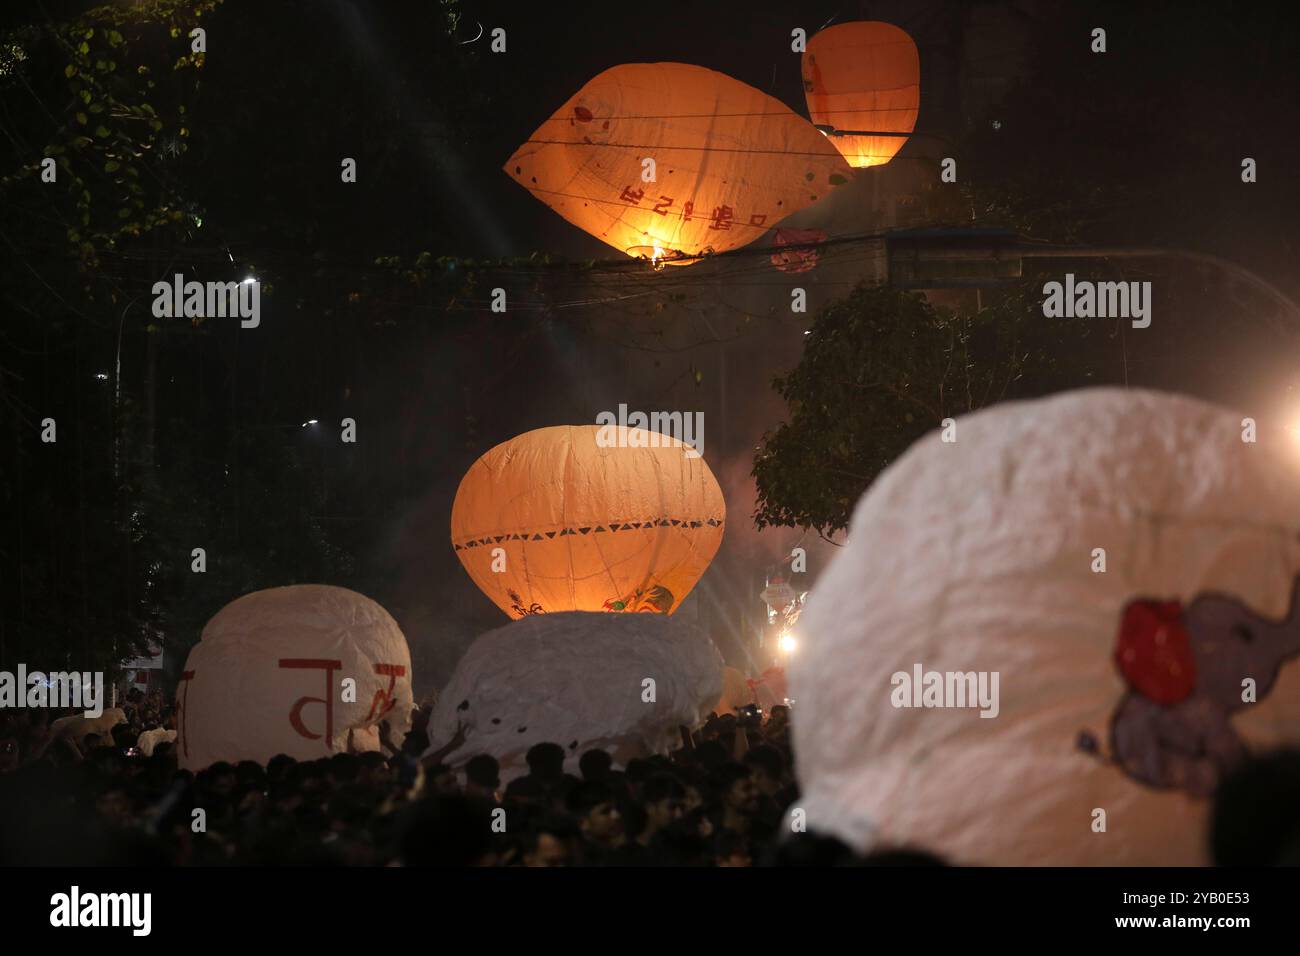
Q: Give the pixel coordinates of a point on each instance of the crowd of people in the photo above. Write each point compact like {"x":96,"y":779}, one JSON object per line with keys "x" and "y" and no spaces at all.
{"x":718,"y":800}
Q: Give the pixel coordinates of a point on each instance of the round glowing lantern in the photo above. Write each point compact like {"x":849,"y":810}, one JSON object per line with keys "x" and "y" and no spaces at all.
{"x":668,"y":161}
{"x":308,"y":671}
{"x":862,"y":81}
{"x":587,"y":518}
{"x":1048,"y":641}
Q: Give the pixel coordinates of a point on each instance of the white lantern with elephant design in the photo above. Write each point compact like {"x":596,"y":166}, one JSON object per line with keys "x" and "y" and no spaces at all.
{"x":1126,"y":564}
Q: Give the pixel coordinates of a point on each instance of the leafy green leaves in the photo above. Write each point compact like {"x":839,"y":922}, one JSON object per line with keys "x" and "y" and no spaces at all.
{"x":126,"y":130}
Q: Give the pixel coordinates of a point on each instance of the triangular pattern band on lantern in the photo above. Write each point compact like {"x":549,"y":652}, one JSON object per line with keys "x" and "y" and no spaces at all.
{"x":614,"y":526}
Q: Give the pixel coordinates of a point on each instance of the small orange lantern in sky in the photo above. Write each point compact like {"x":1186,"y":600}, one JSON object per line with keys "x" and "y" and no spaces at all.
{"x":862,"y":81}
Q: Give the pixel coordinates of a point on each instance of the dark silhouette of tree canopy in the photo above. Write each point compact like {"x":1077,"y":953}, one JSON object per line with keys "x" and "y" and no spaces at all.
{"x":170,"y":436}
{"x":880,"y":368}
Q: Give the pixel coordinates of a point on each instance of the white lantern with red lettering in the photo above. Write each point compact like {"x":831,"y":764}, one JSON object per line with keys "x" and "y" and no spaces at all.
{"x":308,"y":671}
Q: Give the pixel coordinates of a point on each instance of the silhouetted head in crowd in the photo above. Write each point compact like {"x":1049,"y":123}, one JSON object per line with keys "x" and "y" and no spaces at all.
{"x":664,"y":800}
{"x":440,"y":780}
{"x":734,"y":785}
{"x":595,"y":764}
{"x":592,"y":804}
{"x":114,"y":807}
{"x":278,"y":767}
{"x":552,"y":840}
{"x":482,"y":776}
{"x":219,"y":778}
{"x":1255,"y":820}
{"x":545,"y":762}
{"x":447,"y":831}
{"x":692,"y":795}
{"x":344,"y":768}
{"x":374,"y":767}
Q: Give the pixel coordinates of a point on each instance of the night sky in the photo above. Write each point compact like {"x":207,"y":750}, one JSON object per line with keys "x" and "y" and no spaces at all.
{"x":1186,"y":91}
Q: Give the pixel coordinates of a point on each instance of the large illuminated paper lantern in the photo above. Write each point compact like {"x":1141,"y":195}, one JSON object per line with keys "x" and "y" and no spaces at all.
{"x":267,"y":677}
{"x":728,"y":161}
{"x":621,"y":683}
{"x":587,"y":518}
{"x":859,"y":79}
{"x":1124,"y":563}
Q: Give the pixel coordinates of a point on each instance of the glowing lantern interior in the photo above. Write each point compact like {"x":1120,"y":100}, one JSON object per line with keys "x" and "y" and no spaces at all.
{"x":554,"y":520}
{"x":728,"y":161}
{"x":860,"y":79}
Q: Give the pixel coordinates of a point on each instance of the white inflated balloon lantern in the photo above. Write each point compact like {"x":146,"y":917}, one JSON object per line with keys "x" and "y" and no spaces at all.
{"x":308,"y":671}
{"x":1124,"y":565}
{"x":624,"y":683}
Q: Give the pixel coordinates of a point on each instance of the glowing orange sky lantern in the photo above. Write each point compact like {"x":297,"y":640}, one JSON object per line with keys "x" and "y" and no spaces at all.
{"x":863,"y":78}
{"x":587,"y":518}
{"x":729,"y":161}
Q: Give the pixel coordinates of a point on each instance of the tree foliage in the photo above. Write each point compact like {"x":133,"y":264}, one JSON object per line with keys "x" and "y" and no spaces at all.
{"x":880,"y":368}
{"x":176,"y":435}
{"x":105,"y":120}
